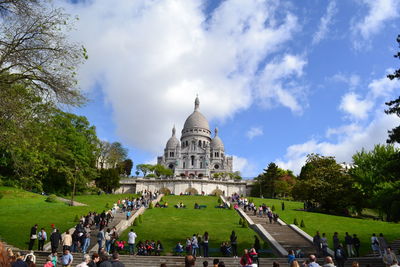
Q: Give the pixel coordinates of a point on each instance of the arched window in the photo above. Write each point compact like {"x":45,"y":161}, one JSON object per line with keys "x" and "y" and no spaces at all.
{"x":200,"y":143}
{"x":192,"y":159}
{"x":184,"y":164}
{"x":201,"y":164}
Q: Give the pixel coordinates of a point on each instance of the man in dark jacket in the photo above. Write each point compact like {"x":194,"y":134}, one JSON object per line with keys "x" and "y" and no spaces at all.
{"x":55,"y":240}
{"x":115,"y":261}
{"x":33,"y":236}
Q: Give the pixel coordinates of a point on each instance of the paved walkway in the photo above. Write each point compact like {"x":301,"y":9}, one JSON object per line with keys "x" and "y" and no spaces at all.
{"x":284,"y":235}
{"x":69,"y":201}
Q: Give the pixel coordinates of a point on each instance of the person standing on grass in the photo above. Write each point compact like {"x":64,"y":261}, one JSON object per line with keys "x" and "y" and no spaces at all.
{"x":205,"y":244}
{"x":257,"y":245}
{"x":349,"y":244}
{"x":356,"y":245}
{"x":131,"y":241}
{"x":317,"y":243}
{"x":336,"y":241}
{"x":382,"y":244}
{"x":33,"y":236}
{"x":195,"y":245}
{"x":233,"y":239}
{"x":42,"y":237}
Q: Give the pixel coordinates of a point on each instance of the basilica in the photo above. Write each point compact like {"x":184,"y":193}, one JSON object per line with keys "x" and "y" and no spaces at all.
{"x":198,"y":162}
{"x":196,"y":155}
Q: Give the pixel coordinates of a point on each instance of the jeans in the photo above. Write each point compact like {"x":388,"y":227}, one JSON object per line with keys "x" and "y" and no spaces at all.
{"x":131,"y":248}
{"x":86,"y":245}
{"x":108,"y":245}
{"x":205,"y":248}
{"x":100,"y":242}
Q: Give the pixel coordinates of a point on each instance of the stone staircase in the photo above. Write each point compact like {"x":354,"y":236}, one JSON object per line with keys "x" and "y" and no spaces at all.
{"x":174,"y":261}
{"x":284,"y":235}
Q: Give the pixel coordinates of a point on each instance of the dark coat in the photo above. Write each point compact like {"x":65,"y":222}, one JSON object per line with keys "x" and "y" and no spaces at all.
{"x":55,"y":239}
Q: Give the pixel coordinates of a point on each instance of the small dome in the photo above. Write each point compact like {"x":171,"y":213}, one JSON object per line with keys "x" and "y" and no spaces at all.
{"x":216,"y":142}
{"x":173,"y":142}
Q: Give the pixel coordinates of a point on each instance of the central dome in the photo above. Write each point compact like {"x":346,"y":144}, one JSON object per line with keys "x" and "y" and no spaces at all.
{"x":196,"y":119}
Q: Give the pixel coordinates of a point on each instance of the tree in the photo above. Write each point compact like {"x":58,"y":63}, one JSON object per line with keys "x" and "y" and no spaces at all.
{"x":116,"y":154}
{"x":127,"y":166}
{"x":35,"y":51}
{"x":325,"y":185}
{"x":144,"y":168}
{"x":267,"y":183}
{"x":376,"y":173}
{"x":108,"y":180}
{"x":394,"y":105}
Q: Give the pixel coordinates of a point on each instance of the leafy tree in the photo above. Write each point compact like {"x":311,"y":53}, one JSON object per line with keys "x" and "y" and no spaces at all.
{"x":108,"y":180}
{"x":394,"y":105}
{"x":273,"y":181}
{"x":376,"y":173}
{"x":144,"y":168}
{"x":127,"y":167}
{"x":35,"y":51}
{"x":116,"y":154}
{"x":323,"y":183}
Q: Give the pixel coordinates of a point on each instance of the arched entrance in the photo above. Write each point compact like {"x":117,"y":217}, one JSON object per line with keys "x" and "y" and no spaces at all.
{"x":217,"y":192}
{"x":191,"y":191}
{"x":165,"y":191}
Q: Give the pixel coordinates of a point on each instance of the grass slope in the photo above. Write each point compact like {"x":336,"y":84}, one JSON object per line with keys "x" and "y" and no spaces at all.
{"x":171,"y":225}
{"x":20,"y":210}
{"x":329,"y":224}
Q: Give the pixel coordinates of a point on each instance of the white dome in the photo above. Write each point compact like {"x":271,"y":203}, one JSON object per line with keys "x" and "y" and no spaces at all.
{"x":216,"y":142}
{"x":173,"y":142}
{"x":196,"y":120}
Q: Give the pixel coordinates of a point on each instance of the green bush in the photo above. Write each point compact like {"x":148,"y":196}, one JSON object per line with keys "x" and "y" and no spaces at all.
{"x":219,"y":200}
{"x":245,"y":224}
{"x":231,"y":207}
{"x":295,"y":221}
{"x":240,"y":221}
{"x":135,"y":222}
{"x":52,"y":199}
{"x":151,"y":205}
{"x":302,"y":224}
{"x":107,"y":206}
{"x":273,"y":208}
{"x":76,"y":218}
{"x":140,"y":218}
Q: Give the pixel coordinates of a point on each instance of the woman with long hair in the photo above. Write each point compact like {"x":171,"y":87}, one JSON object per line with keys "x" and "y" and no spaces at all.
{"x":205,"y":244}
{"x":233,"y":239}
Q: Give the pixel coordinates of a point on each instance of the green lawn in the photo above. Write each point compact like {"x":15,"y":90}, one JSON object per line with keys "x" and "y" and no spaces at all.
{"x":20,"y":210}
{"x":171,"y":225}
{"x":329,"y":223}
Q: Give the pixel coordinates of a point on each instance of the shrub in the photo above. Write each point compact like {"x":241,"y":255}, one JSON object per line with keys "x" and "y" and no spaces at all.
{"x":52,"y":199}
{"x":302,"y":224}
{"x":219,"y":200}
{"x":140,"y":218}
{"x":245,"y":224}
{"x":273,"y":208}
{"x":135,"y":222}
{"x":107,"y":206}
{"x":151,"y":205}
{"x":76,"y":218}
{"x":295,"y":221}
{"x":240,"y":221}
{"x":231,"y":207}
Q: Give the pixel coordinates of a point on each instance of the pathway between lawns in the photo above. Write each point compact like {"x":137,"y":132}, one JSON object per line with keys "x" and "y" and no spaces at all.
{"x":68,"y":201}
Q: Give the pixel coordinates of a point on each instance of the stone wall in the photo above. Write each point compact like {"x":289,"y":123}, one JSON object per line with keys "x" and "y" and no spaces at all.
{"x":178,"y":186}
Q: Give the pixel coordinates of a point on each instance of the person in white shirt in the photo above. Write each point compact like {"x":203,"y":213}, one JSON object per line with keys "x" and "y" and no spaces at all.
{"x":131,"y":241}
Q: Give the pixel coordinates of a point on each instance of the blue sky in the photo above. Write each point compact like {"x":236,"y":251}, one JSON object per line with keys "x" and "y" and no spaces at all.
{"x":280,"y":79}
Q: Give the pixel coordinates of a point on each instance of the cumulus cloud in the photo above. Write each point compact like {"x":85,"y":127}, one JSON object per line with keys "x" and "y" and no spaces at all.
{"x":244,"y":166}
{"x":254,"y":131}
{"x":379,"y":12}
{"x":151,"y":58}
{"x":352,"y":80}
{"x":354,"y":106}
{"x":343,"y":141}
{"x":275,"y":83}
{"x":325,"y":22}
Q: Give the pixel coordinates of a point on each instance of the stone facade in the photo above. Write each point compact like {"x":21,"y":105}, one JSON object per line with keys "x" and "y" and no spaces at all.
{"x":194,"y":159}
{"x":196,"y":155}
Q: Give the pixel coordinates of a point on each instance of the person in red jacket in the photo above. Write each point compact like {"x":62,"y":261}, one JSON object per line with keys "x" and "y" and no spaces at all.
{"x":246,"y":261}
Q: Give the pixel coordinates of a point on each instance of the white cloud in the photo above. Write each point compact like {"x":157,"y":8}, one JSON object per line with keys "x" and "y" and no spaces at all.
{"x":273,"y":85}
{"x":152,"y":57}
{"x":351,"y":141}
{"x":379,"y":12}
{"x":254,"y":131}
{"x":354,"y":106}
{"x":352,"y":80}
{"x":325,"y":22}
{"x":244,"y":166}
{"x":344,"y":141}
